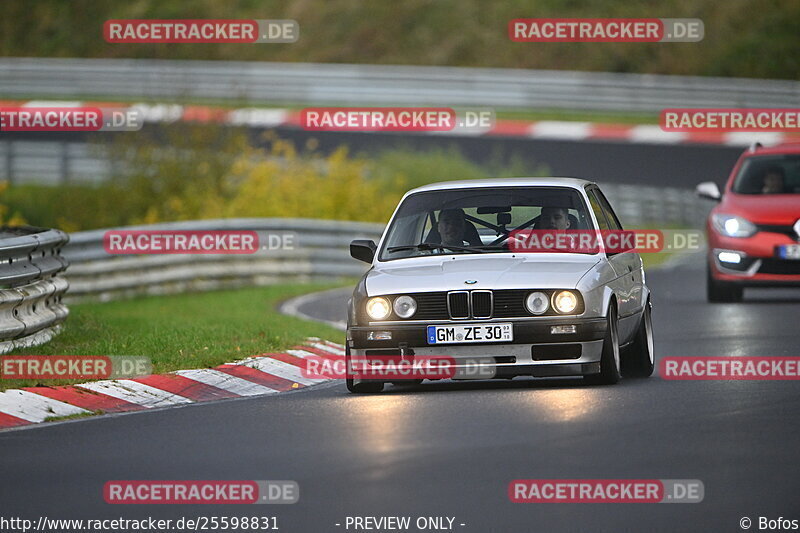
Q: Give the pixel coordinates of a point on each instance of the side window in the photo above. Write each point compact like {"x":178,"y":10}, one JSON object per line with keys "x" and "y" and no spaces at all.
{"x":597,"y":209}
{"x":613,"y":221}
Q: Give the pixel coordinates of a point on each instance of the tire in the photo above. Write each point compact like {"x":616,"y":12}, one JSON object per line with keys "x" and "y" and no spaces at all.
{"x":609,"y":362}
{"x":720,"y":291}
{"x":639,"y":358}
{"x":359,"y":388}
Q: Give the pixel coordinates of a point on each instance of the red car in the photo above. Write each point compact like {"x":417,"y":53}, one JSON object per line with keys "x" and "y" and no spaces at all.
{"x":754,"y":232}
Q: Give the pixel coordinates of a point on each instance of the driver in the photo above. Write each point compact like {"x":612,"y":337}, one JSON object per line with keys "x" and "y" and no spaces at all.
{"x":774,"y":181}
{"x":553,"y":218}
{"x":451,"y":227}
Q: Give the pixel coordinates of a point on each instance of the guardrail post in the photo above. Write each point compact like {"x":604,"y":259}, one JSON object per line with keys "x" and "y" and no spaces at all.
{"x":9,"y":161}
{"x":63,"y":170}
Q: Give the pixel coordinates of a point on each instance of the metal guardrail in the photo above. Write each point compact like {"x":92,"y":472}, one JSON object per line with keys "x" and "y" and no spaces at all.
{"x":320,"y":250}
{"x":52,"y":162}
{"x":641,"y":206}
{"x":31,"y":311}
{"x":316,"y":84}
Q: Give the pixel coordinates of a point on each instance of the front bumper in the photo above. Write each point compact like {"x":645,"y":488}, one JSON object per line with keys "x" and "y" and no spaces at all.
{"x":535,"y":351}
{"x":755,"y":271}
{"x":759,"y":264}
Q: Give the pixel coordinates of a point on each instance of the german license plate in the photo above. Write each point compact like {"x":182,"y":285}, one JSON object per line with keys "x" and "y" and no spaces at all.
{"x":789,"y":251}
{"x":501,"y":332}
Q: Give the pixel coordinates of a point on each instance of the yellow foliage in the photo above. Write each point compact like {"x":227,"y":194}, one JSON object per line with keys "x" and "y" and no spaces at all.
{"x":286,"y":185}
{"x":5,"y":220}
{"x":283,"y":183}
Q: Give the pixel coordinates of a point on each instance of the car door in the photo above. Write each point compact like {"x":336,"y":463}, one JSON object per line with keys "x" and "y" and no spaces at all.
{"x":627,"y":267}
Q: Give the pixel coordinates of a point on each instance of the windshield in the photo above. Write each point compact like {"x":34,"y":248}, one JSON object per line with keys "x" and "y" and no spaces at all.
{"x":769,"y":175}
{"x":479,"y":220}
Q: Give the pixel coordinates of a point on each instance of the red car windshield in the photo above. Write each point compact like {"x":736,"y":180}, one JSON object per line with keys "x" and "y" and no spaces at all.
{"x":773,"y":174}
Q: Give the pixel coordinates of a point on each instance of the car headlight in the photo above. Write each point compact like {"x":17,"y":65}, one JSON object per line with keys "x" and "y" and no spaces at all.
{"x":378,"y":308}
{"x":405,"y":306}
{"x":537,"y":303}
{"x":565,"y":302}
{"x":733,"y":226}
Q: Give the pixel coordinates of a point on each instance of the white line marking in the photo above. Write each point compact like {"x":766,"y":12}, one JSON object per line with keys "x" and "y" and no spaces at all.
{"x":333,"y":344}
{"x":649,"y":133}
{"x":326,"y":348}
{"x":230,"y":383}
{"x":33,"y":407}
{"x":52,"y":103}
{"x":253,"y":116}
{"x":292,"y":307}
{"x":746,"y":138}
{"x":135,"y":392}
{"x":280,"y":369}
{"x":553,"y":129}
{"x":301,"y":353}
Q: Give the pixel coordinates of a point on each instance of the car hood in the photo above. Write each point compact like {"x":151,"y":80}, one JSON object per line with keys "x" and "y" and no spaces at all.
{"x":451,"y":273}
{"x":778,"y":209}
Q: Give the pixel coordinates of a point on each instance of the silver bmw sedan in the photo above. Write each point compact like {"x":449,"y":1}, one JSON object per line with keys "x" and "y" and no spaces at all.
{"x":457,"y":291}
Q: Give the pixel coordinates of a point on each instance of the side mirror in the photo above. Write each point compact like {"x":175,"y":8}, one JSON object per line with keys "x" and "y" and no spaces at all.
{"x":363,"y":250}
{"x":708,"y":189}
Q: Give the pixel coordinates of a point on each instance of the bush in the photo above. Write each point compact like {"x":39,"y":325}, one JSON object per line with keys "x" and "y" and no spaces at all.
{"x":194,"y":171}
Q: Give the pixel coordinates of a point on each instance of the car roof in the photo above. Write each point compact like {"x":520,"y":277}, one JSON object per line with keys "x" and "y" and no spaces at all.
{"x":784,"y":148}
{"x":575,"y":183}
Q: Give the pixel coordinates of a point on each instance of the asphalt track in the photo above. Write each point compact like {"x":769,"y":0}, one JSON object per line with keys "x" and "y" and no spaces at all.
{"x":605,"y":161}
{"x":451,"y":449}
{"x":662,"y":165}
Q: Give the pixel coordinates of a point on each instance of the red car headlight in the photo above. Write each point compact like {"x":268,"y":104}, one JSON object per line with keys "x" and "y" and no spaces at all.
{"x":733,"y":226}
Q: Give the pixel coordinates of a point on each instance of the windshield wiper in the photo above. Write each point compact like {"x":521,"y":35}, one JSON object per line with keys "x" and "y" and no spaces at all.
{"x":433,"y":246}
{"x":492,"y":247}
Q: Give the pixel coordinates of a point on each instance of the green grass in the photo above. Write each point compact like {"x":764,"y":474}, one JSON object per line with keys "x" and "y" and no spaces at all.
{"x":73,"y":417}
{"x":198,"y":330}
{"x":653,"y":260}
{"x":570,"y":115}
